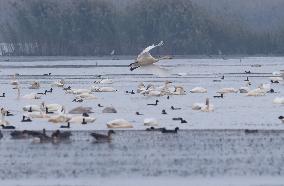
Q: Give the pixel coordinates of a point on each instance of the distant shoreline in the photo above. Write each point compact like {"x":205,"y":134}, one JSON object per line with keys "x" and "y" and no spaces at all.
{"x":120,"y":57}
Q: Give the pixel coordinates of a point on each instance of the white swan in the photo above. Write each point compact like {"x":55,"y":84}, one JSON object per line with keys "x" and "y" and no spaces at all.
{"x":81,"y":110}
{"x":246,"y":88}
{"x":81,"y":119}
{"x":14,"y":80}
{"x":102,"y":89}
{"x":87,"y":96}
{"x":3,"y":121}
{"x":278,"y":100}
{"x":145,"y":58}
{"x":276,"y":78}
{"x":227,"y":90}
{"x":104,"y":81}
{"x":179,"y":90}
{"x":203,"y":107}
{"x":119,"y":123}
{"x":32,"y":108}
{"x":141,"y":87}
{"x":52,"y":107}
{"x":36,"y":114}
{"x":151,"y":122}
{"x":34,"y":85}
{"x":198,"y":90}
{"x":265,"y":87}
{"x":32,"y":96}
{"x":59,"y":83}
{"x":257,"y":92}
{"x":62,"y":117}
{"x":80,"y":91}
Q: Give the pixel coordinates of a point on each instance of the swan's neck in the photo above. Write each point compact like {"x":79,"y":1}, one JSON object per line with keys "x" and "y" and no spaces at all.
{"x":207,"y":103}
{"x":19,"y":93}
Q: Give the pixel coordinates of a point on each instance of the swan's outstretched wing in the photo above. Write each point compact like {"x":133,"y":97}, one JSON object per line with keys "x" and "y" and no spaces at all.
{"x":156,"y":70}
{"x":146,"y":50}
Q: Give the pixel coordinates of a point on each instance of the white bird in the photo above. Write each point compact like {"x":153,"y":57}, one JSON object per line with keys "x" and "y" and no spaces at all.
{"x":145,"y":58}
{"x":36,"y":114}
{"x":257,"y":92}
{"x":80,"y":91}
{"x":265,"y":87}
{"x":278,"y":100}
{"x":102,"y":89}
{"x":59,"y":83}
{"x":3,"y":121}
{"x":86,"y":96}
{"x":32,"y":108}
{"x":119,"y":123}
{"x":276,"y":73}
{"x":198,"y":90}
{"x":104,"y":81}
{"x":179,"y":90}
{"x":227,"y":90}
{"x":245,"y":89}
{"x":141,"y":87}
{"x":52,"y":107}
{"x":203,"y":107}
{"x":151,"y":122}
{"x":81,"y":120}
{"x":276,"y":78}
{"x":34,"y":85}
{"x":14,"y":80}
{"x":32,"y":96}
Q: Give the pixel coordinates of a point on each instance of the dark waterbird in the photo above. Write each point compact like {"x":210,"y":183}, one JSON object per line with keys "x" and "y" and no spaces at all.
{"x":247,"y":79}
{"x":247,"y":72}
{"x":3,"y":95}
{"x":84,"y":121}
{"x":164,"y":111}
{"x":216,"y":80}
{"x":137,"y":113}
{"x":42,"y":93}
{"x":25,"y":134}
{"x":68,"y":88}
{"x":50,"y":90}
{"x":103,"y":137}
{"x":8,"y":113}
{"x":78,"y":100}
{"x":154,"y":104}
{"x":250,"y":131}
{"x":43,"y":138}
{"x":154,"y":129}
{"x":47,"y":74}
{"x":26,"y":119}
{"x":130,"y":92}
{"x":58,"y":135}
{"x":65,"y":126}
{"x":8,"y":126}
{"x":164,"y":130}
{"x":223,"y":77}
{"x":99,"y":105}
{"x":220,"y":96}
{"x":274,"y":81}
{"x":180,"y":119}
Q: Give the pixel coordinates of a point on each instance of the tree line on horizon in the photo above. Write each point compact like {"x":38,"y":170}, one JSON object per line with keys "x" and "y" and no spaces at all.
{"x":96,"y":27}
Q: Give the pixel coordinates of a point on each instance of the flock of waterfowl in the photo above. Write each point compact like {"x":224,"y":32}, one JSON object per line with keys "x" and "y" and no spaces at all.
{"x":57,"y":114}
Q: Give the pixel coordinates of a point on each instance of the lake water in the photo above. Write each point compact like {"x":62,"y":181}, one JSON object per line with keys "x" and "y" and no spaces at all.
{"x":202,"y":153}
